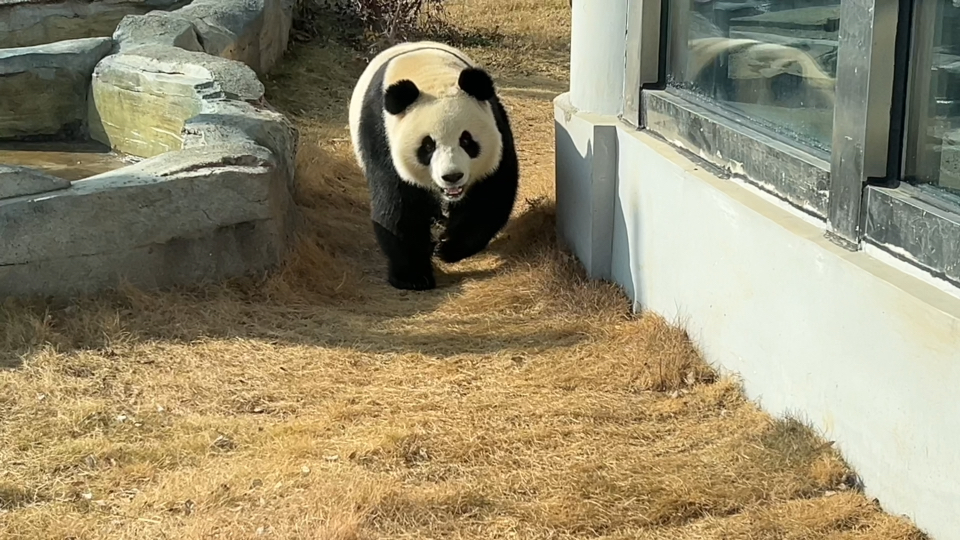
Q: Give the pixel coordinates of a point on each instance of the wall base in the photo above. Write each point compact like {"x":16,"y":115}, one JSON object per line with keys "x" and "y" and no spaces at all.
{"x":865,"y":352}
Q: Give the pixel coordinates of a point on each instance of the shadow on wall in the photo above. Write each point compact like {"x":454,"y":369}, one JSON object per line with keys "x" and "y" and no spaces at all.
{"x":590,"y":217}
{"x":623,"y":236}
{"x":573,"y":187}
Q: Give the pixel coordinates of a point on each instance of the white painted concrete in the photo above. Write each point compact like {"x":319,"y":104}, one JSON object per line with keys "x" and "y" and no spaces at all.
{"x":586,"y":152}
{"x":866,"y":352}
{"x":597,"y":55}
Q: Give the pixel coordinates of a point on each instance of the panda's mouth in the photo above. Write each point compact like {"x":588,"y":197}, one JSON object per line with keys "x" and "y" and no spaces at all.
{"x":453,"y":193}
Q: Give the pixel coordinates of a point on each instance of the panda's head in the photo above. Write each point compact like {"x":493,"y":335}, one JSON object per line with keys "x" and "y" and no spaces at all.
{"x":443,"y":136}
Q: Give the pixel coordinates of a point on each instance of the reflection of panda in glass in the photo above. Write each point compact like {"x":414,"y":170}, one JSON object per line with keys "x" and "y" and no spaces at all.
{"x":752,"y":71}
{"x":435,"y":144}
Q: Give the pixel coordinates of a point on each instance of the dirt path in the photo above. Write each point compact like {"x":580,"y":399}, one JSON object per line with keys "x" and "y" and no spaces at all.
{"x":516,"y":401}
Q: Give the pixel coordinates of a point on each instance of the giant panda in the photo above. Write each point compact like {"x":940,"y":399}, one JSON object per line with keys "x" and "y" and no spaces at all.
{"x":436,"y":147}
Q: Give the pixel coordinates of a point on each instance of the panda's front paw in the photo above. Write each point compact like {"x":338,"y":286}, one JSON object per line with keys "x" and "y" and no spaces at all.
{"x":412,"y":282}
{"x":452,"y":251}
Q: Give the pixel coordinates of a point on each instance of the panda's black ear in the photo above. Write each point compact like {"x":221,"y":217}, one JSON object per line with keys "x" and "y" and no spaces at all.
{"x":477,"y":83}
{"x":399,"y":96}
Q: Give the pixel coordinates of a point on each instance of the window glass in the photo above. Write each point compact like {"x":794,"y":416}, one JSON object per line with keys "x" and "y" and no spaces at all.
{"x":933,"y":122}
{"x":772,"y":61}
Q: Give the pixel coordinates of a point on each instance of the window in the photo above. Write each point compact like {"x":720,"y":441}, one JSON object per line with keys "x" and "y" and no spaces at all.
{"x":847,"y":109}
{"x":773,"y":62}
{"x":920,"y":220}
{"x":932,"y":155}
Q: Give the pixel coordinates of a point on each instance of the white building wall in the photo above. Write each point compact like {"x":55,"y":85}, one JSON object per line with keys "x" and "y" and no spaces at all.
{"x":866,"y":352}
{"x":597,"y":41}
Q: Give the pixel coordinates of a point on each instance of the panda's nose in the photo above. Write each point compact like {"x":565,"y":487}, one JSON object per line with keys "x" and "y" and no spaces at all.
{"x":452,"y":177}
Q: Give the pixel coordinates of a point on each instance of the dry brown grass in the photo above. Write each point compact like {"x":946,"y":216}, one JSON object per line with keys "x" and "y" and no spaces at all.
{"x":516,"y":401}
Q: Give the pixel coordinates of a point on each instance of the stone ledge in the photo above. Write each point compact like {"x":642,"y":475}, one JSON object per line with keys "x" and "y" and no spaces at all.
{"x":157,"y":28}
{"x":220,"y":122}
{"x":24,"y":24}
{"x":177,"y":194}
{"x":21,"y":181}
{"x":230,"y":250}
{"x":254,"y":32}
{"x":44,"y":88}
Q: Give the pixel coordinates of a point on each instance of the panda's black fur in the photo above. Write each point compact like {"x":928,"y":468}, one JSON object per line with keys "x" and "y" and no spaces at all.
{"x":403,"y":214}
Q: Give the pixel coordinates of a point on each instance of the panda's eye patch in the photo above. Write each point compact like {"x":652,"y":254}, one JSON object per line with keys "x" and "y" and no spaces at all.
{"x":426,"y":149}
{"x":469,"y":145}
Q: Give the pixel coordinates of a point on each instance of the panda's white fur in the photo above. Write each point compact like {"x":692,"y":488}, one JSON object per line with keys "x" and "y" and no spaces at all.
{"x":442,"y":111}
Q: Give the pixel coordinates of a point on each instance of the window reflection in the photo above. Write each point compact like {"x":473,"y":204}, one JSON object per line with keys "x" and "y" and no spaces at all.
{"x":933,"y":122}
{"x":772,"y":61}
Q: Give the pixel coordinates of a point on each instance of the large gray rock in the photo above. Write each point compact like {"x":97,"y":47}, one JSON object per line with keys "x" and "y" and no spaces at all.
{"x":44,"y":88}
{"x":142,"y":98}
{"x":228,"y":28}
{"x":157,"y":28}
{"x":184,"y":194}
{"x":28,"y":23}
{"x":222,"y":122}
{"x":254,"y":32}
{"x":226,"y":252}
{"x":213,"y":199}
{"x":20,"y":181}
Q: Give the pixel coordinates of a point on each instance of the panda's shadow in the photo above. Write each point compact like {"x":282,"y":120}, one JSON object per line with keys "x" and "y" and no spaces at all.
{"x":529,"y":233}
{"x":334,"y":203}
{"x":422,"y":322}
{"x":451,"y":280}
{"x":528,"y":243}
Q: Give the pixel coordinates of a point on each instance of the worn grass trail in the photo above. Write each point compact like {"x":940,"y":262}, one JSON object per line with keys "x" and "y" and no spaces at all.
{"x":515,"y":401}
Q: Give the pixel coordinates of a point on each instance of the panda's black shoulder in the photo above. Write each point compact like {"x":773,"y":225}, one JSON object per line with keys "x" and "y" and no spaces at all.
{"x":508,"y":162}
{"x":503,"y":121}
{"x":373,"y":134}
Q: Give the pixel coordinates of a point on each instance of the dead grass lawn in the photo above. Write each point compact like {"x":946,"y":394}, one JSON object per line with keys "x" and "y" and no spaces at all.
{"x":516,"y":401}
